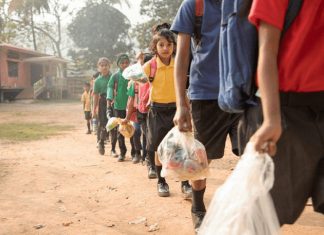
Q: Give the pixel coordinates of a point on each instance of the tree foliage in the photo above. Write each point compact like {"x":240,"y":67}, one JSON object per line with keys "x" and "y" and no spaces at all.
{"x":99,"y":30}
{"x":157,"y":11}
{"x":26,"y":9}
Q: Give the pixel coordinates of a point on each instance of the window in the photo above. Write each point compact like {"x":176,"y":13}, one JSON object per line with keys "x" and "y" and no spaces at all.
{"x":12,"y":69}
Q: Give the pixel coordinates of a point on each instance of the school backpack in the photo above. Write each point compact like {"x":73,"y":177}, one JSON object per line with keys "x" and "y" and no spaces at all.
{"x":238,"y":54}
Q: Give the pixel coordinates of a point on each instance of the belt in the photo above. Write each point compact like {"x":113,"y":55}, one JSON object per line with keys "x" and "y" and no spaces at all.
{"x":302,"y":98}
{"x":163,"y":105}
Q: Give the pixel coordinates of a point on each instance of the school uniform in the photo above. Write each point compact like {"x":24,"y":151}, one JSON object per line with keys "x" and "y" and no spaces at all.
{"x":117,"y":91}
{"x":211,"y":124}
{"x":100,"y":88}
{"x":162,"y":106}
{"x":299,"y":161}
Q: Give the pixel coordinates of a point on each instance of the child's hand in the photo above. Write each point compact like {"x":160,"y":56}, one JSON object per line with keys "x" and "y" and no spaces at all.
{"x":124,"y":121}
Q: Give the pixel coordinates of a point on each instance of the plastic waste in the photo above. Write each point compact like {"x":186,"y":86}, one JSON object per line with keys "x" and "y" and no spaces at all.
{"x":243,"y":205}
{"x":182,"y":156}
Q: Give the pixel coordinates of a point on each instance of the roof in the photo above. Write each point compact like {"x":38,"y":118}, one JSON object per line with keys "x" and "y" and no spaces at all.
{"x":22,"y":50}
{"x":46,"y":59}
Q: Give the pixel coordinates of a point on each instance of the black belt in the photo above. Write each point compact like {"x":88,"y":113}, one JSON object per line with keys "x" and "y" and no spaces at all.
{"x":163,"y":105}
{"x":302,"y":98}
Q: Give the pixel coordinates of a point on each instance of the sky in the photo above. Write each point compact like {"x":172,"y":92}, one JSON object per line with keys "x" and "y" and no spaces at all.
{"x":132,"y":12}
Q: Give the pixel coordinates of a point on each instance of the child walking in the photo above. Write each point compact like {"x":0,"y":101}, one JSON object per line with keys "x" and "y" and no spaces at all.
{"x":100,"y":104}
{"x":162,"y":101}
{"x":116,"y":102}
{"x":86,"y":102}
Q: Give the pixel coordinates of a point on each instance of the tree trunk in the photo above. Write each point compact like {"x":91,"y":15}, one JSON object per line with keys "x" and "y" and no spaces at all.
{"x":33,"y":29}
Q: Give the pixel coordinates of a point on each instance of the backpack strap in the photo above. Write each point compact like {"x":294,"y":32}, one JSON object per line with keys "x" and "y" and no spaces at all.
{"x":293,"y":9}
{"x":136,"y":100}
{"x":153,"y":68}
{"x":199,"y":11}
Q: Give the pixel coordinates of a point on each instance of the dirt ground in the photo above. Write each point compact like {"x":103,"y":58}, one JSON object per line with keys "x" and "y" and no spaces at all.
{"x":61,"y":185}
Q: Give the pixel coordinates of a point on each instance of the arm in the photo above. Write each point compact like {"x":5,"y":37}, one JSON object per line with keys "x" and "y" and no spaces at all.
{"x":96,"y":104}
{"x":182,"y":117}
{"x":130,"y":109}
{"x":110,"y":91}
{"x":270,"y":130}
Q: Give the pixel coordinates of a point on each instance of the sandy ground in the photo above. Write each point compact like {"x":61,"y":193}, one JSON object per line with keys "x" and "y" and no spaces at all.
{"x":61,"y":185}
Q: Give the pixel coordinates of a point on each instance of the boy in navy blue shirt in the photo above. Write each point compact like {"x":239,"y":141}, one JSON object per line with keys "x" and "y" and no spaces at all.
{"x":211,"y":124}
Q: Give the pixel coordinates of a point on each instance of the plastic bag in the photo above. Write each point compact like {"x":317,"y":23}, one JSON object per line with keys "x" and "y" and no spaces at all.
{"x":112,"y":123}
{"x":243,"y":205}
{"x":135,"y":73}
{"x":182,"y":156}
{"x":127,"y":130}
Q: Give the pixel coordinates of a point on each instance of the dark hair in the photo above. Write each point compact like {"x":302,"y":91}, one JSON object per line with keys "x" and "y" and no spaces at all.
{"x":163,"y":33}
{"x":87,"y":84}
{"x":147,"y":57}
{"x":96,"y":75}
{"x":158,"y":27}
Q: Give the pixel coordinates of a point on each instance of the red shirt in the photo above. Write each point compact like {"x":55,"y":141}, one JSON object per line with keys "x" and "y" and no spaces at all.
{"x":301,"y":52}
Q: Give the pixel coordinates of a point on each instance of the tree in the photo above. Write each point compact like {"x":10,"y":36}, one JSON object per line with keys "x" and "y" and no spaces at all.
{"x":158,"y":11}
{"x":99,"y":30}
{"x":26,"y":9}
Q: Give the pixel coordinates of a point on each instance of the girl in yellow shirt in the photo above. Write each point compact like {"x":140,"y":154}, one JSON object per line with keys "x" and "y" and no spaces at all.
{"x":162,"y":101}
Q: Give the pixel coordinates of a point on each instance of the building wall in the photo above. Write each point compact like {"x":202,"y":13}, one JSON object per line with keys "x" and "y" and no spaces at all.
{"x":23,"y":78}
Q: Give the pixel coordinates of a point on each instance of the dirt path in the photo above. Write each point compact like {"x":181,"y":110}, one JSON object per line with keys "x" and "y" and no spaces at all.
{"x":63,"y":186}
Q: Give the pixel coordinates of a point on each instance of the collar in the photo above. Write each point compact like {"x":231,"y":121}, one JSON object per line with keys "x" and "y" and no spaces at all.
{"x":160,"y":64}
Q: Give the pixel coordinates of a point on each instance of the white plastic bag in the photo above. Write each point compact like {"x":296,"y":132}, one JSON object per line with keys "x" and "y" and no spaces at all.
{"x":182,"y":156}
{"x":243,"y":205}
{"x":135,"y":73}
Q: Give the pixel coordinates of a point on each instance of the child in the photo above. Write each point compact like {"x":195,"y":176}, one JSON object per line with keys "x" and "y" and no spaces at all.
{"x":100,"y":105}
{"x":290,"y":117}
{"x":143,"y":100}
{"x":116,"y":102}
{"x":162,"y":101}
{"x":131,"y":115}
{"x":86,"y":101}
{"x":211,"y":124}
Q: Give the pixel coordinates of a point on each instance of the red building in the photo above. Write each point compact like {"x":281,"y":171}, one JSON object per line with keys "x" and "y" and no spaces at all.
{"x":28,"y":74}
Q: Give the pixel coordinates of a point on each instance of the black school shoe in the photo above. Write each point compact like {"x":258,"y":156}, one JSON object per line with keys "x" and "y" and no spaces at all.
{"x":136,"y":159}
{"x":151,"y":173}
{"x":186,"y":190}
{"x":163,"y":189}
{"x":197,"y":218}
{"x":121,"y":158}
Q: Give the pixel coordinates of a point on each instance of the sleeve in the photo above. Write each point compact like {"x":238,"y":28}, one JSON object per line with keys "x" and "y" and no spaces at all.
{"x":270,"y":11}
{"x":82,"y":98}
{"x":131,"y":90}
{"x":110,"y":88}
{"x":96,"y":87}
{"x":184,"y":22}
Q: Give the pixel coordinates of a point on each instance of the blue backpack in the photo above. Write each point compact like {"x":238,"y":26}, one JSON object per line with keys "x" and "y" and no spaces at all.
{"x":238,"y":54}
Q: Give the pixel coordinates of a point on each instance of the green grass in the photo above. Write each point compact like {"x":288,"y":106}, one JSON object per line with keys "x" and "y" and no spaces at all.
{"x":30,"y":131}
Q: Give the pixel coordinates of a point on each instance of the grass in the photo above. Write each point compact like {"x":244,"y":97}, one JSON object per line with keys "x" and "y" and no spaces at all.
{"x":30,"y":131}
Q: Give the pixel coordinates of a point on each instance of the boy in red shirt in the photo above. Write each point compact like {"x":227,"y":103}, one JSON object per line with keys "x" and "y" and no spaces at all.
{"x":290,"y":118}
